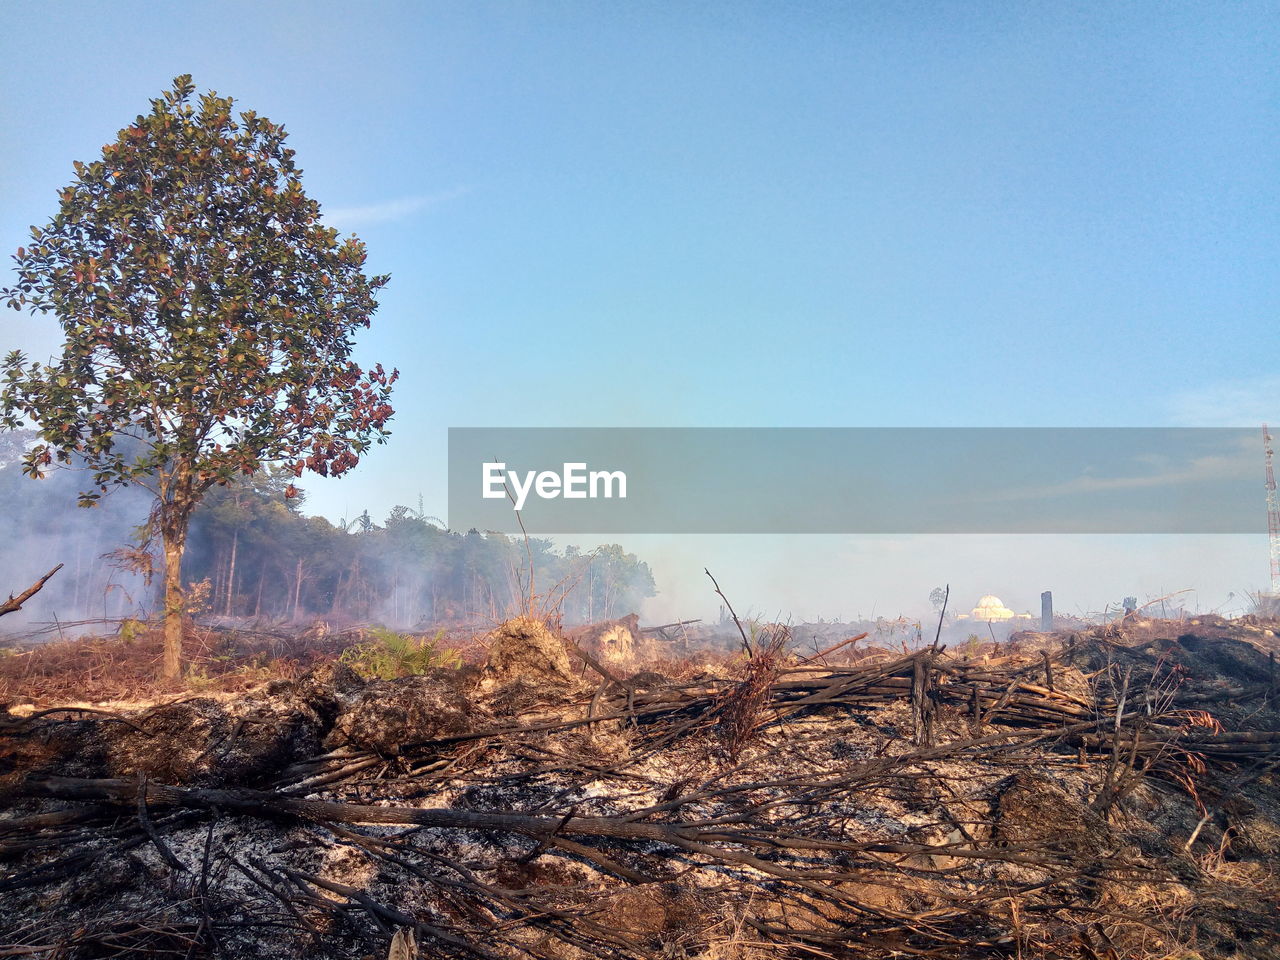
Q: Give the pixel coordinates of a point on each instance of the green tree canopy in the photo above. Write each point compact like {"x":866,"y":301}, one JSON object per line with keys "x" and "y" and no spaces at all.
{"x":208,"y":314}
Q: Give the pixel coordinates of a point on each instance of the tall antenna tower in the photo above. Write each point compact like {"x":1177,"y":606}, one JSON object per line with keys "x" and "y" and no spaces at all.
{"x":1273,"y":514}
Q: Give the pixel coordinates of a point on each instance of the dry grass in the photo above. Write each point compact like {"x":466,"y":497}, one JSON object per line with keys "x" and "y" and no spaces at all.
{"x":98,"y":669}
{"x":125,"y":667}
{"x":780,"y":828}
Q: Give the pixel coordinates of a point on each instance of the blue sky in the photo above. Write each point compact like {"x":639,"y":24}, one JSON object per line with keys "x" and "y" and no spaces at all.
{"x":747,"y":215}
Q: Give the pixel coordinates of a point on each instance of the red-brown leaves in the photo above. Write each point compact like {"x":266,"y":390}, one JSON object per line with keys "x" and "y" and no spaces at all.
{"x":190,"y":263}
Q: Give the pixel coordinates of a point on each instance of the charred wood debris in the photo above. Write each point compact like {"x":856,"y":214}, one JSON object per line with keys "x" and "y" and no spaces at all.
{"x":1101,"y":794}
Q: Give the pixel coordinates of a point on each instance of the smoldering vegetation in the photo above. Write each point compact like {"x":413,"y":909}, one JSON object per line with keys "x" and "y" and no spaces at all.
{"x":45,"y":528}
{"x":254,"y":557}
{"x":1096,"y":795}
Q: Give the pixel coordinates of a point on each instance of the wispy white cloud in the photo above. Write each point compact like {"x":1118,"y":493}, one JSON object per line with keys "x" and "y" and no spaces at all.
{"x":389,"y":210}
{"x":1228,"y":403}
{"x":1200,"y":469}
{"x":1239,"y":456}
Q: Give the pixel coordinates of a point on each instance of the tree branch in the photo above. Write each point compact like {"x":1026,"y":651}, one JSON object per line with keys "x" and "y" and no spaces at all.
{"x":14,"y":604}
{"x":746,"y":644}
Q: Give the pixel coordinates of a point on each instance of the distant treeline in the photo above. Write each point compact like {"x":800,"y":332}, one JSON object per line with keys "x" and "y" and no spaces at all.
{"x":262,"y":557}
{"x":252,"y":553}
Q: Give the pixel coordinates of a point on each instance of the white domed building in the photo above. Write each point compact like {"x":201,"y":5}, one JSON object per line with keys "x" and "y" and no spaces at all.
{"x":991,"y":609}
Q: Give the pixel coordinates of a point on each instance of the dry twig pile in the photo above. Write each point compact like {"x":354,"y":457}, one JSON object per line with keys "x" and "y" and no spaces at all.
{"x":1101,"y":799}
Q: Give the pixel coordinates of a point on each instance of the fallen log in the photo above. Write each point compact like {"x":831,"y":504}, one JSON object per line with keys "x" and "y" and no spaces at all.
{"x":263,"y":802}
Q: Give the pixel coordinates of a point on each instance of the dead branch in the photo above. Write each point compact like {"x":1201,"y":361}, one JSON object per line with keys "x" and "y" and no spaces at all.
{"x":746,"y":643}
{"x":531,"y":833}
{"x":13,"y":604}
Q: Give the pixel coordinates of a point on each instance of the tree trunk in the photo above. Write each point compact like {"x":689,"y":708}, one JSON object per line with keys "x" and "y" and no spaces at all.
{"x":219,"y":566}
{"x":339,"y":591}
{"x":231,"y":575}
{"x":75,"y":603}
{"x":297,"y":589}
{"x":174,"y":535}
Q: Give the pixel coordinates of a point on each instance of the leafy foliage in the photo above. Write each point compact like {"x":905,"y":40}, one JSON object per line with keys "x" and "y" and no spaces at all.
{"x":207,"y":310}
{"x":390,"y":655}
{"x":208,"y":316}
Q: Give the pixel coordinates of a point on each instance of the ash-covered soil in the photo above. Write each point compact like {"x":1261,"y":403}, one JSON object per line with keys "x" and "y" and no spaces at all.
{"x":1101,"y":795}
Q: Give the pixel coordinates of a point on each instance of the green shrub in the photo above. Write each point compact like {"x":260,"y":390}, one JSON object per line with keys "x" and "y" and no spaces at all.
{"x":131,"y":629}
{"x":388,"y":655}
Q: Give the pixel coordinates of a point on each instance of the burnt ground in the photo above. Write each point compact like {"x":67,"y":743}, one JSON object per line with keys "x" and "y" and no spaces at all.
{"x":1109,"y":794}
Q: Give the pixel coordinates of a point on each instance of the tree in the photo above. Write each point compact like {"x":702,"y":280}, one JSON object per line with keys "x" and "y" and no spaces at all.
{"x":249,"y":512}
{"x":208,"y":314}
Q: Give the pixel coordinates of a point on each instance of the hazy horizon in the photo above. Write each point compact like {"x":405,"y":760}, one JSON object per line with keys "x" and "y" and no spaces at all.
{"x":744,"y":215}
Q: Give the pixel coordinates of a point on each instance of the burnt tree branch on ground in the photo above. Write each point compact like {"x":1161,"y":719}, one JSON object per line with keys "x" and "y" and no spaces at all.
{"x":922,"y":805}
